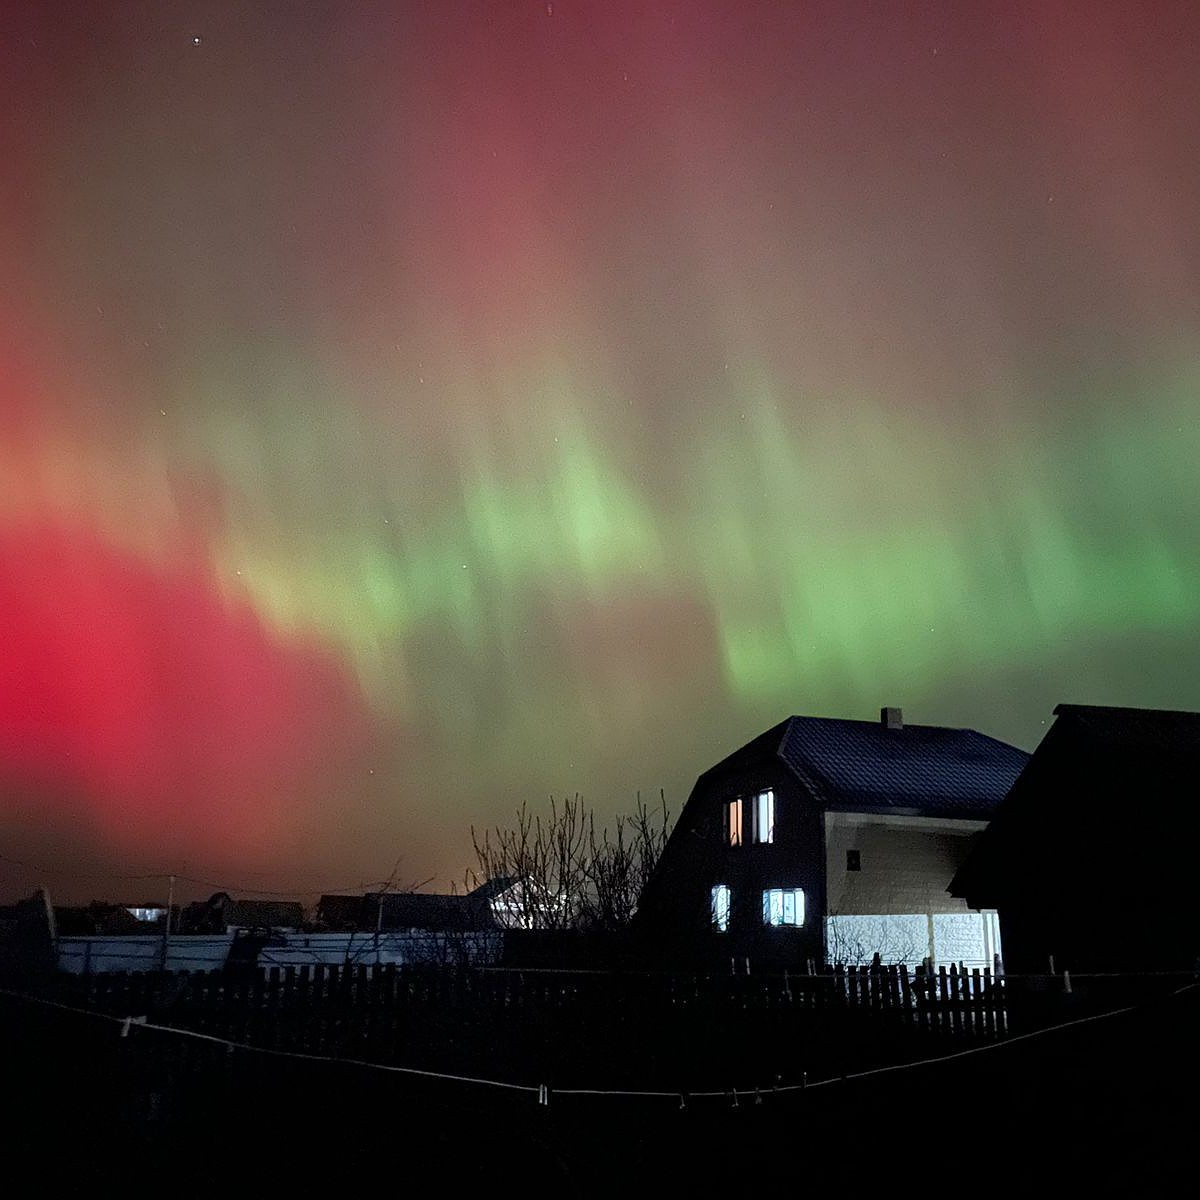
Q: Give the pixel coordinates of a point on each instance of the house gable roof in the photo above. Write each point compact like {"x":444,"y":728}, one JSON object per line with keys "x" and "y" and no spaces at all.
{"x":863,"y":765}
{"x":857,"y":766}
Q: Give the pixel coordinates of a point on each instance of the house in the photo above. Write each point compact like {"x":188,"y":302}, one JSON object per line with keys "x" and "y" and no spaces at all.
{"x":206,"y":935}
{"x":27,"y":934}
{"x":429,"y":912}
{"x":826,"y":840}
{"x":410,"y":928}
{"x":101,"y":917}
{"x":221,"y":912}
{"x":1089,"y":858}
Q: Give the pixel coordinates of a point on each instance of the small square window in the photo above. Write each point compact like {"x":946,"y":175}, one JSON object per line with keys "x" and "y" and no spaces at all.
{"x":853,"y":860}
{"x":720,"y":907}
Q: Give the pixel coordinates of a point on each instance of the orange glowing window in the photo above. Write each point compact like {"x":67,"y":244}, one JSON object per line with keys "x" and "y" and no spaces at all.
{"x":733,"y":821}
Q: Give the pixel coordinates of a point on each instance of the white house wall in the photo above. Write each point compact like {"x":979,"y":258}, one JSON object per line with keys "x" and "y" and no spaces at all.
{"x":906,"y":863}
{"x":971,"y":939}
{"x":896,"y":904}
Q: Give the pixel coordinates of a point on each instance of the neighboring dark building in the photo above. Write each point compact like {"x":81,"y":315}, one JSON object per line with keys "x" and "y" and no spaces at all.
{"x":27,"y":934}
{"x":220,"y":912}
{"x":264,"y":914}
{"x":417,"y":911}
{"x":101,"y":917}
{"x":343,"y":914}
{"x":433,"y":913}
{"x":831,"y":840}
{"x":1089,"y":858}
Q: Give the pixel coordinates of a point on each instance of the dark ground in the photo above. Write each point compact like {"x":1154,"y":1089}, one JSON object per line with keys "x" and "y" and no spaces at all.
{"x":1108,"y":1104}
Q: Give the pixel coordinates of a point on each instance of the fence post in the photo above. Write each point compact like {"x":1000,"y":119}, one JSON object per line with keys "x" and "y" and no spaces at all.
{"x":956,"y":1006}
{"x":989,"y":1001}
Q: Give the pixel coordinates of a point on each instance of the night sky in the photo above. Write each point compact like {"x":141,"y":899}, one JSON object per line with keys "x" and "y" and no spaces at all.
{"x":411,"y":409}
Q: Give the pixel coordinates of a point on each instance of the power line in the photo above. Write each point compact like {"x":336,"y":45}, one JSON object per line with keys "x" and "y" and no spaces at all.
{"x":162,"y":876}
{"x":129,"y":1023}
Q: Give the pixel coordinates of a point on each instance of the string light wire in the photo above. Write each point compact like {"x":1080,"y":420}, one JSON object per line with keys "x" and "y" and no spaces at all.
{"x":543,"y":1092}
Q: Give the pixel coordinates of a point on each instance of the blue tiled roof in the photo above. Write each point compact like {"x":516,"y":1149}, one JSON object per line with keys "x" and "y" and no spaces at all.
{"x":926,"y":768}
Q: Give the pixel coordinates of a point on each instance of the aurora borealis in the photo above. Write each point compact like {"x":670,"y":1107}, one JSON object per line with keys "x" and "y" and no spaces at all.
{"x":411,"y":409}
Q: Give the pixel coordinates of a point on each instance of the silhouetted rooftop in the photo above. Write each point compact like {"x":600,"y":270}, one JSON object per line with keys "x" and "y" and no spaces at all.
{"x":436,"y":912}
{"x":265,"y":914}
{"x":1157,"y":730}
{"x":1116,"y":761}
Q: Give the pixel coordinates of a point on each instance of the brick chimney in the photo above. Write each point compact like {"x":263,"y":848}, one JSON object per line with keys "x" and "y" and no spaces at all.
{"x":891,"y":718}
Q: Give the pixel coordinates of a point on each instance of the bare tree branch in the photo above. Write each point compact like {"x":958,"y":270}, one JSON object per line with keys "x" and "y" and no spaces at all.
{"x":564,"y":872}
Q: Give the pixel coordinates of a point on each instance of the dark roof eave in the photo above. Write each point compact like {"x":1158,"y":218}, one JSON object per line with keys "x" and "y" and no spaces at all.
{"x":941,"y":810}
{"x":1114,"y":710}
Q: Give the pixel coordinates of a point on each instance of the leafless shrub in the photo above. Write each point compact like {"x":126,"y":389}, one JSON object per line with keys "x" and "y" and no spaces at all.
{"x":564,"y":872}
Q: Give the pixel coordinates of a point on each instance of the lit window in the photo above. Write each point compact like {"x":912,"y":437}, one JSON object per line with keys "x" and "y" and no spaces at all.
{"x":733,"y":822}
{"x":783,"y":906}
{"x":764,"y":816}
{"x":145,"y":914}
{"x":720,"y":907}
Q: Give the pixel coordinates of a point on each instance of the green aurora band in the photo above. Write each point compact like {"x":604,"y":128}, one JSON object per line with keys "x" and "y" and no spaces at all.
{"x":403,"y":417}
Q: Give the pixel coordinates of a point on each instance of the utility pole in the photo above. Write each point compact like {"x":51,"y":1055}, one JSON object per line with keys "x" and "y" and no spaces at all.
{"x":167,"y":922}
{"x":378,"y":926}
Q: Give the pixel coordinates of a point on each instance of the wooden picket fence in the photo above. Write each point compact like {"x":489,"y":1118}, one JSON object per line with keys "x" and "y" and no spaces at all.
{"x":946,"y":999}
{"x":598,"y":1026}
{"x":950,"y":1000}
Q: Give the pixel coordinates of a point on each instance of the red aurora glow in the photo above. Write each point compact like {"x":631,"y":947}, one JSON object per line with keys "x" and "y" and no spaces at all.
{"x":180,"y":723}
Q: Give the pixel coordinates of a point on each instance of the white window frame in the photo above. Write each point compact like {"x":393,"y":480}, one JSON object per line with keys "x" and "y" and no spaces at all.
{"x":721,"y":899}
{"x":780,"y":904}
{"x":764,"y":816}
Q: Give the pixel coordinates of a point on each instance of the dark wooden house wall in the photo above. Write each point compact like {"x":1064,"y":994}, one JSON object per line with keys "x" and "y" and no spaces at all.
{"x":676,"y":912}
{"x":1092,"y":861}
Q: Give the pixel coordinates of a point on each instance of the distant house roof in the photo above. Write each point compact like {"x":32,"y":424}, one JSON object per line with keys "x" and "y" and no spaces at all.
{"x":437,"y":913}
{"x":264,"y":914}
{"x":432,"y":911}
{"x":867,"y":765}
{"x":342,"y":912}
{"x":99,"y":917}
{"x":490,"y":889}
